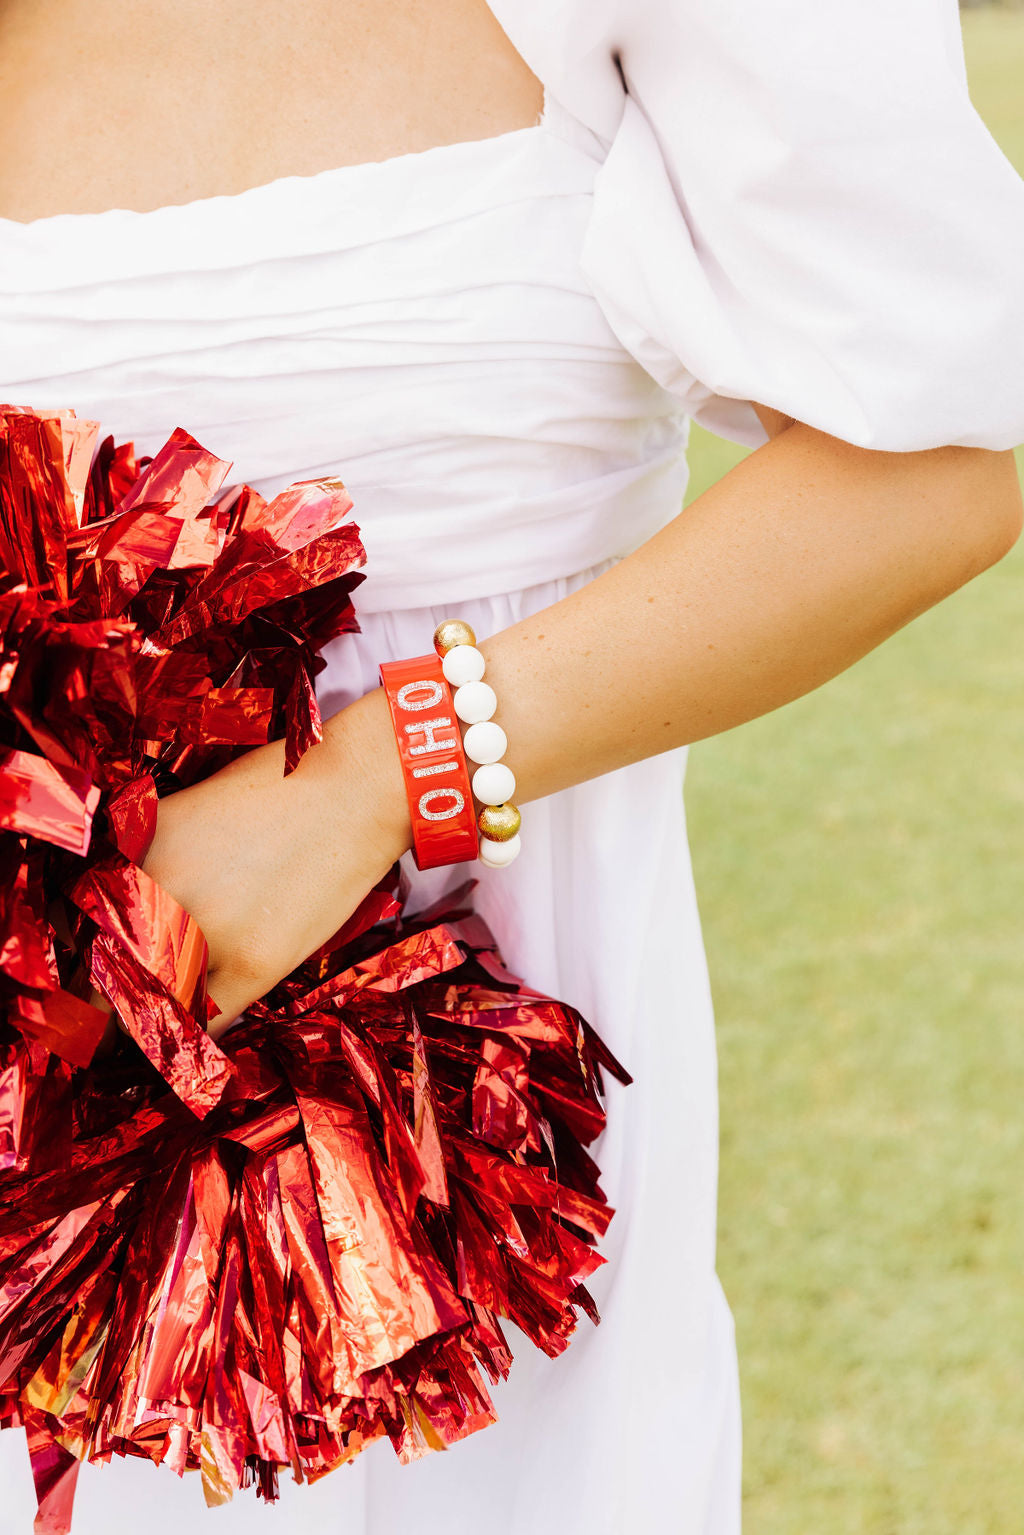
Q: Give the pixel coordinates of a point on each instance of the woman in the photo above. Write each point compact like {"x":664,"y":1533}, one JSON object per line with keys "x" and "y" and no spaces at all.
{"x":528,"y":243}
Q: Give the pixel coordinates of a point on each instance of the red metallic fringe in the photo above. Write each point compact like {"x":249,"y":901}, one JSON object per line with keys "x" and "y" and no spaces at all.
{"x":262,"y":1254}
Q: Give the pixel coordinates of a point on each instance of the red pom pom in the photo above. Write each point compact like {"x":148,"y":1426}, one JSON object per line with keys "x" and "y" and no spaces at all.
{"x":259,"y":1255}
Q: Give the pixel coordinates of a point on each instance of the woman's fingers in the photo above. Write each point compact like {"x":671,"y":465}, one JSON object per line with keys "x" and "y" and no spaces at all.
{"x":231,"y":1004}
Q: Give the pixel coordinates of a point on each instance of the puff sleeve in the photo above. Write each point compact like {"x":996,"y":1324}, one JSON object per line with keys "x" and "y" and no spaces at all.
{"x":800,"y":206}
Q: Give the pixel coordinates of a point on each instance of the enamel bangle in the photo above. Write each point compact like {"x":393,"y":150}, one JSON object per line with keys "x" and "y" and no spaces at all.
{"x":433,"y":761}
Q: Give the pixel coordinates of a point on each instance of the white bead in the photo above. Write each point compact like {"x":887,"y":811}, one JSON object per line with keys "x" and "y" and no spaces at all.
{"x":463,"y":663}
{"x":498,"y":855}
{"x":486,"y":742}
{"x":494,"y":784}
{"x":475,"y":701}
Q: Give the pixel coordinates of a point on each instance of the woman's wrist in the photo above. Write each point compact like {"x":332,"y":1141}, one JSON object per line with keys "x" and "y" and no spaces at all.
{"x":360,"y":742}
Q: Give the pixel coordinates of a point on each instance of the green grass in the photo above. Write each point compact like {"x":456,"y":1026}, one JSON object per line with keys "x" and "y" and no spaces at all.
{"x":994,"y":44}
{"x":858,"y":861}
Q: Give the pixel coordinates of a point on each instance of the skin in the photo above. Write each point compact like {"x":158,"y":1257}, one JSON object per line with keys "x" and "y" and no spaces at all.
{"x":800,"y":561}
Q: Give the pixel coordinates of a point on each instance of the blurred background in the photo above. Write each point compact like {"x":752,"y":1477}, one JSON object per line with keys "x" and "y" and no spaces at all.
{"x":859,"y":864}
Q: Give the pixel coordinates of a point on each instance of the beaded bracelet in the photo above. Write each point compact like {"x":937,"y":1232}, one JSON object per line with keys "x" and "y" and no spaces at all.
{"x":484,"y":741}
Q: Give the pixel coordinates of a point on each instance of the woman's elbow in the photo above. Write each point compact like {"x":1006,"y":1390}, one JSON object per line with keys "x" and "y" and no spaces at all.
{"x":978,"y":488}
{"x":992,"y":492}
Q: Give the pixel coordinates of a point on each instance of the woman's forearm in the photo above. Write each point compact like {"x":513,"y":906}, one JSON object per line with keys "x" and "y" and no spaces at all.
{"x":802,"y":559}
{"x":798,"y":562}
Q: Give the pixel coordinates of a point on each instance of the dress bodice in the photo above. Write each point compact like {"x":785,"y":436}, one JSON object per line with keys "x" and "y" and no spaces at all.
{"x":419,"y":325}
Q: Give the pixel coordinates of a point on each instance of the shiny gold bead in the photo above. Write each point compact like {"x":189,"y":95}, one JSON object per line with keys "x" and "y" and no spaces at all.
{"x":499,"y":822}
{"x":451,"y":632}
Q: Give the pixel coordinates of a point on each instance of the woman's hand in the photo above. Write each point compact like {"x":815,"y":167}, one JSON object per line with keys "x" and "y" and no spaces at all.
{"x":271,"y":866}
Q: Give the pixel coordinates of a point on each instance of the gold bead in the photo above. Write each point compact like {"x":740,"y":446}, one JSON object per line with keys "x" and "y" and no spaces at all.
{"x":451,"y":632}
{"x":499,"y":822}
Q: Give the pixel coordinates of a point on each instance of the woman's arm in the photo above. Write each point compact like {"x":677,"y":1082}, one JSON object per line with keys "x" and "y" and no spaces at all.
{"x":800,"y":560}
{"x":803,"y":558}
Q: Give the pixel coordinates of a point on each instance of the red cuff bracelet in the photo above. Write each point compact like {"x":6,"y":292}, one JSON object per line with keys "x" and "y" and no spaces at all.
{"x":433,"y":761}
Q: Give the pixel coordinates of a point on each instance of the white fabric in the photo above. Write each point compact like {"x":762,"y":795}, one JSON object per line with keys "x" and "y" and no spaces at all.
{"x":357,"y":318}
{"x":800,"y":207}
{"x":422,"y":328}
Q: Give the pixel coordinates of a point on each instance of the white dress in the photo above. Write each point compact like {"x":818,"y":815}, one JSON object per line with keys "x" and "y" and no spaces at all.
{"x":422,"y":327}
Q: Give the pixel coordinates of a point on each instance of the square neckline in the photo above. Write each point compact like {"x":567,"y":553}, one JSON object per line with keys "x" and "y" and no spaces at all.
{"x":333,"y":171}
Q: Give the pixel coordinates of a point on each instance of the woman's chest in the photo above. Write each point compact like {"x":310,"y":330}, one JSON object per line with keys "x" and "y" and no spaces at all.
{"x":142,"y":103}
